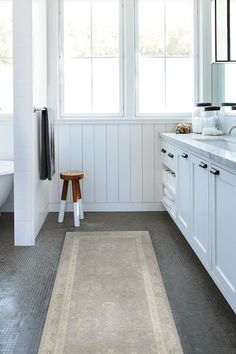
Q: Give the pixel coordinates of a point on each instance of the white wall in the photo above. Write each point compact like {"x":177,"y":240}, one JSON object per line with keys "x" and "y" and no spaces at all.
{"x":28,"y":197}
{"x":23,"y":122}
{"x":39,"y":100}
{"x":6,"y":139}
{"x":7,"y":153}
{"x":122,"y":163}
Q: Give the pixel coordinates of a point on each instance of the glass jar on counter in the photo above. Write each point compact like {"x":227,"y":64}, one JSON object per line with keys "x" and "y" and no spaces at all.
{"x":229,"y":120}
{"x":226,"y":108}
{"x":197,"y":119}
{"x":211,"y":117}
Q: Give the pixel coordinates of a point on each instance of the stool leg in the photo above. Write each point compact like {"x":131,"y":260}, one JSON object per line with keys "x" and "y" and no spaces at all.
{"x":81,"y":212}
{"x":75,"y":203}
{"x":76,"y":214}
{"x":63,"y":202}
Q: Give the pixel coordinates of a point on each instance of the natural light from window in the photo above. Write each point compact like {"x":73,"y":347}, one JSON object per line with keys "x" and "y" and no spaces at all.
{"x":6,"y":63}
{"x":165,"y":56}
{"x":229,"y":82}
{"x":96,"y":76}
{"x":92,"y":57}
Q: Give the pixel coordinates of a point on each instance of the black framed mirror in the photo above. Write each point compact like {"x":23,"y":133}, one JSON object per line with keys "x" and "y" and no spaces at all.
{"x":225,"y":30}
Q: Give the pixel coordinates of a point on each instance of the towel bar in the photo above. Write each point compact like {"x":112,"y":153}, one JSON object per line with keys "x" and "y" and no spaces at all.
{"x":39,"y":109}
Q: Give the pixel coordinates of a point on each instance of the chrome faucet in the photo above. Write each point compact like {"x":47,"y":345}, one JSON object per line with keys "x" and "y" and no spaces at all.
{"x":231,"y":129}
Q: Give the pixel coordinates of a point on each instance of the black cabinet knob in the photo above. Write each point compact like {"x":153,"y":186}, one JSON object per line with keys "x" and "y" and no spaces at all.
{"x":214,"y":172}
{"x":185,"y":156}
{"x":203,"y":165}
{"x":171,"y":155}
{"x":163,"y":151}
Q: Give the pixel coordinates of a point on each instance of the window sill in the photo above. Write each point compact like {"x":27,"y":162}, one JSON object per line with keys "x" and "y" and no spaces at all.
{"x":175,"y":118}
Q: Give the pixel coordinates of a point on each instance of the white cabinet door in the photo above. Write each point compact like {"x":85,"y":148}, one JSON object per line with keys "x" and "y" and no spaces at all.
{"x":223,"y":231}
{"x":183,"y":192}
{"x":200,"y":239}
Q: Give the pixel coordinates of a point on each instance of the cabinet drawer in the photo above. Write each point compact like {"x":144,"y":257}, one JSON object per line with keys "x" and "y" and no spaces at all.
{"x":168,"y":155}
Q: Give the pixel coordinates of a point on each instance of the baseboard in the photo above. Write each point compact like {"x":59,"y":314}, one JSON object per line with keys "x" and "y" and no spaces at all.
{"x":109,"y":207}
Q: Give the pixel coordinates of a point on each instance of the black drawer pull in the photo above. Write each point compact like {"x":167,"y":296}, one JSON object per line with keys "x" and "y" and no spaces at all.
{"x":171,"y":155}
{"x":163,"y":150}
{"x":214,"y":172}
{"x":185,"y":156}
{"x":203,"y":165}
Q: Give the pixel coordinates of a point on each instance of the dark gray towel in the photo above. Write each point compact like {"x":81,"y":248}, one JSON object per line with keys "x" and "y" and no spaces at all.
{"x":47,"y":158}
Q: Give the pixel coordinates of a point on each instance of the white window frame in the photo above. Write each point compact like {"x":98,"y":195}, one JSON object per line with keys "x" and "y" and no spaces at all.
{"x":7,"y":116}
{"x":202,"y":64}
{"x":61,"y":66}
{"x":195,"y":65}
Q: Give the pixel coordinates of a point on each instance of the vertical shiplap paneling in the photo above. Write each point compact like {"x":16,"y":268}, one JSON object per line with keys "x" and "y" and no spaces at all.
{"x":64,"y":153}
{"x":136,"y":163}
{"x":112,"y":164}
{"x":88,"y":163}
{"x":76,"y":149}
{"x":53,"y":190}
{"x":148,"y":163}
{"x":170,"y":128}
{"x":159,"y":128}
{"x":124,"y":163}
{"x":100,"y":164}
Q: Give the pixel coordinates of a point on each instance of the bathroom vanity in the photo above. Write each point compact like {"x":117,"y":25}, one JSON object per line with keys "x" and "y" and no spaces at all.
{"x":202,"y":201}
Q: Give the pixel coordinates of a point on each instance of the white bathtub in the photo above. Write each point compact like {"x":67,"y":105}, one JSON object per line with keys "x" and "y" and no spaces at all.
{"x":6,"y":180}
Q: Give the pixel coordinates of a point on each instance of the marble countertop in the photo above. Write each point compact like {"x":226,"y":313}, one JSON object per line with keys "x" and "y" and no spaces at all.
{"x":193,"y":143}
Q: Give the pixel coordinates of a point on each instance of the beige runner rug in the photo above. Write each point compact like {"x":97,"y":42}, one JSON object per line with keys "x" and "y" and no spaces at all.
{"x":109,"y":297}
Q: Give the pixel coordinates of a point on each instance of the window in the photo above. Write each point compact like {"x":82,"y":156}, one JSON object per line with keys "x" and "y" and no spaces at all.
{"x":228,"y":83}
{"x":92,"y":57}
{"x":165,"y":56}
{"x":6,"y":63}
{"x":155,"y":76}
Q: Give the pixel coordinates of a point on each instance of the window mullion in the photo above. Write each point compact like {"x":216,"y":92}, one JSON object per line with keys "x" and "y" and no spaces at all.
{"x":203,"y":50}
{"x":129,"y":58}
{"x":91,"y":31}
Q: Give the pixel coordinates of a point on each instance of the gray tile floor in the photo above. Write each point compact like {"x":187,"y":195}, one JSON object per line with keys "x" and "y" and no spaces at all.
{"x":205,"y":322}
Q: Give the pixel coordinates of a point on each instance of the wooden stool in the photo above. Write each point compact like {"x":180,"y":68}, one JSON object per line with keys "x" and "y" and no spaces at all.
{"x":74,"y":177}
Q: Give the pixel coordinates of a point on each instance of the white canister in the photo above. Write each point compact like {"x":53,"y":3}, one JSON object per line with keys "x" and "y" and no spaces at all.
{"x":229,"y":120}
{"x":226,"y":108}
{"x":197,"y":119}
{"x":211,"y":117}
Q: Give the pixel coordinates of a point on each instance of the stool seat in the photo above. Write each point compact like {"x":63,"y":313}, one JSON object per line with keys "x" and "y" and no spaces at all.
{"x":72,"y":175}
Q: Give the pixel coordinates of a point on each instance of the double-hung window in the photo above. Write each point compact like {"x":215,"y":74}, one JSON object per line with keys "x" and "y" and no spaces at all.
{"x":6,"y":62}
{"x":165,"y":60}
{"x":158,"y":37}
{"x":92,"y":57}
